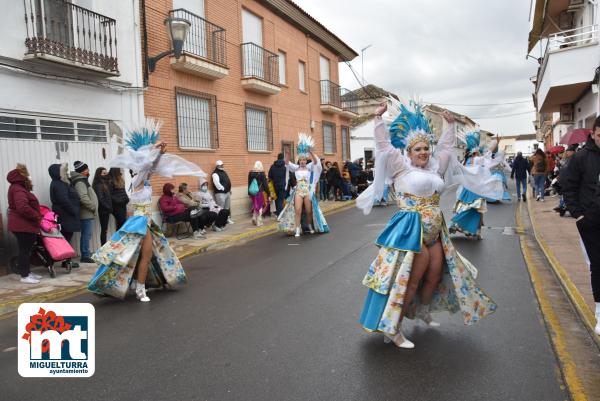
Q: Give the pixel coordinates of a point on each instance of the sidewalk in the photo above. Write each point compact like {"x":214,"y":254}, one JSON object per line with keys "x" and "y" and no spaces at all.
{"x":13,"y":293}
{"x":559,"y":239}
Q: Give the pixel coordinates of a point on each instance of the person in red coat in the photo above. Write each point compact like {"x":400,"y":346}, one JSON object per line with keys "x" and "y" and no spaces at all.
{"x":174,"y":210}
{"x":24,"y":219}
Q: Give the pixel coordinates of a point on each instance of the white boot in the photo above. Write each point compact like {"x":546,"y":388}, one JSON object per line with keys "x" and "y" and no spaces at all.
{"x":311,"y":229}
{"x":425,"y":316}
{"x":140,"y":292}
{"x":254,"y":218}
{"x":597,"y":329}
{"x":259,"y":221}
{"x":297,"y":232}
{"x":399,"y":340}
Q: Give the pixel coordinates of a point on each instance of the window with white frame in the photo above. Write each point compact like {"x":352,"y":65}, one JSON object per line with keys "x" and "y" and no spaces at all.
{"x":259,"y":128}
{"x":16,"y":126}
{"x":301,"y":75}
{"x":196,"y":120}
{"x":345,"y":143}
{"x":282,"y":67}
{"x":328,"y":138}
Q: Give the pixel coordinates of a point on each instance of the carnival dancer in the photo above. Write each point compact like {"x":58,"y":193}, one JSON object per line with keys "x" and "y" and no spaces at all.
{"x":418,"y":271}
{"x":470,"y":206}
{"x":130,"y":250}
{"x":303,"y":195}
{"x":500,"y":171}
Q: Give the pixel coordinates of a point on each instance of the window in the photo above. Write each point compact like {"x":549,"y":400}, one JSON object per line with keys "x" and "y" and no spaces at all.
{"x":328,"y":138}
{"x":259,"y":128}
{"x":282,"y":68}
{"x":345,"y":143}
{"x":196,"y":120}
{"x":301,"y":75}
{"x":51,"y":129}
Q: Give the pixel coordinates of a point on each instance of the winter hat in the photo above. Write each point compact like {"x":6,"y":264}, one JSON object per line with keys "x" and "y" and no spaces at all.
{"x":80,"y":167}
{"x":219,"y":163}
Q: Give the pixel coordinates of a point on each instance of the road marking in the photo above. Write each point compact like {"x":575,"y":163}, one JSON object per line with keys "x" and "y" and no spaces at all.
{"x":293,"y":244}
{"x":9,"y":349}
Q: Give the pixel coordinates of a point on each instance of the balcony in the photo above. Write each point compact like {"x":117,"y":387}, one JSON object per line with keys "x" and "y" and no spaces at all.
{"x":349,"y":101}
{"x":64,"y":33}
{"x":567,"y":68}
{"x":204,"y":49}
{"x":260,"y":70}
{"x":330,"y":98}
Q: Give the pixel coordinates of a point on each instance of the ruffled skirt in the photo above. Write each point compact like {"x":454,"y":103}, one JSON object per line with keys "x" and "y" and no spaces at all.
{"x":388,"y":275}
{"x":469,"y":210}
{"x":118,"y":257}
{"x":287,"y":218}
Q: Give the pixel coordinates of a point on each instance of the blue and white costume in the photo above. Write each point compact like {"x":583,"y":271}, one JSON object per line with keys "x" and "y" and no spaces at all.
{"x":118,"y":257}
{"x":418,"y":223}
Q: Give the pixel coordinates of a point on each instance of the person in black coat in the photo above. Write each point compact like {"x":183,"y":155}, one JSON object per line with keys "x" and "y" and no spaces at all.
{"x":520,"y":170}
{"x":278,"y":174}
{"x":65,"y":203}
{"x":101,"y":185}
{"x":119,"y":197}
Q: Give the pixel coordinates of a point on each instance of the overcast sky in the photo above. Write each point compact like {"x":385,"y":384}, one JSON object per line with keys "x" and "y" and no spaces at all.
{"x":444,"y":51}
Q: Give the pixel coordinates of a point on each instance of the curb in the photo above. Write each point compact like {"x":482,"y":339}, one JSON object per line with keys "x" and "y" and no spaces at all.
{"x":8,"y":309}
{"x":583,"y":310}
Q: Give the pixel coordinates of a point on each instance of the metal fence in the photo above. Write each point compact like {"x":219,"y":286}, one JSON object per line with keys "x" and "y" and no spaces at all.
{"x":205,"y":39}
{"x":65,"y":30}
{"x":260,"y":63}
{"x":259,"y":128}
{"x":330,"y":94}
{"x":197,"y":120}
{"x":329,"y":139}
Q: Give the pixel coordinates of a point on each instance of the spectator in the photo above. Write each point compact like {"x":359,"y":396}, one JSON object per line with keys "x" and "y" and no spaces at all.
{"x":562,"y":165}
{"x":278,"y":174}
{"x":119,"y":196}
{"x":581,"y":188}
{"x":101,"y":185}
{"x":175,"y":211}
{"x":88,"y":207}
{"x":204,"y":216}
{"x":354,"y":169}
{"x":336,"y":181}
{"x":257,"y":174}
{"x":520,"y":170}
{"x":24,"y":219}
{"x":65,"y":203}
{"x":323,"y":185}
{"x":538,"y":171}
{"x":208,"y":203}
{"x":222,"y":185}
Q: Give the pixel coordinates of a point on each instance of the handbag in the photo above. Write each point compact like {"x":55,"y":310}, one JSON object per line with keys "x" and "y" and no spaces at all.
{"x":253,"y":187}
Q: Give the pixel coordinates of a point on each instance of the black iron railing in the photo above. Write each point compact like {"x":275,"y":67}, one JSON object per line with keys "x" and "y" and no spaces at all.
{"x":349,"y":100}
{"x":205,"y":39}
{"x":330,"y":94}
{"x":260,"y":63}
{"x":65,"y":30}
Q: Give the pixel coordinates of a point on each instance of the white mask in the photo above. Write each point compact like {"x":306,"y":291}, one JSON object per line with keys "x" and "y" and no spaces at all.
{"x":204,"y":188}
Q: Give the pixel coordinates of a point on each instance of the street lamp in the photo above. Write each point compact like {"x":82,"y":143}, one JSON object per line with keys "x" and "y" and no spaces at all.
{"x":362,"y":58}
{"x":177,"y":30}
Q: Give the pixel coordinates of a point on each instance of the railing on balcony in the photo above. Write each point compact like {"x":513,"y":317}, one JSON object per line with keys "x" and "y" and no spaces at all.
{"x":349,"y":100}
{"x":573,"y":37}
{"x":260,"y":63}
{"x":330,"y":94}
{"x":64,"y":30}
{"x":205,"y":39}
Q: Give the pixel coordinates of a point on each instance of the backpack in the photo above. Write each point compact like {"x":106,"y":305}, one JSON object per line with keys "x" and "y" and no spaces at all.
{"x":253,"y":187}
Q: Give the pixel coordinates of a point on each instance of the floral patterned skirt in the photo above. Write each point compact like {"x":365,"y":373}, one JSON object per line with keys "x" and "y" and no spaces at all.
{"x":287,"y":218}
{"x":118,"y":257}
{"x":388,"y":275}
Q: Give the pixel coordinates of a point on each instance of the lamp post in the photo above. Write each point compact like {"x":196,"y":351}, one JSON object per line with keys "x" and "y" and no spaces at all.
{"x":362,"y":58}
{"x":177,"y":30}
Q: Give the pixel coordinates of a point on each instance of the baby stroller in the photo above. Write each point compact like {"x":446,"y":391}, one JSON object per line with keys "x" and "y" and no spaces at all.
{"x":50,"y":246}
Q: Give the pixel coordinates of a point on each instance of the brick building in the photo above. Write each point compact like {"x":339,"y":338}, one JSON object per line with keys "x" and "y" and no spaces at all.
{"x":253,"y":74}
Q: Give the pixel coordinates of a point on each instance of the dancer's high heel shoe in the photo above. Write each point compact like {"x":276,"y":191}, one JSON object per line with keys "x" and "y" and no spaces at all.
{"x":399,"y":340}
{"x":140,"y":293}
{"x":297,"y":234}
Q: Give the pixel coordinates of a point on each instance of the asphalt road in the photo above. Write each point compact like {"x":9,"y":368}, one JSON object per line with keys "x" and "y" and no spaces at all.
{"x":276,"y":319}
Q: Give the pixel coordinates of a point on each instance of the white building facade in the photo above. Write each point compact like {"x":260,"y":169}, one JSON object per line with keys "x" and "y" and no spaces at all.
{"x":566,"y":85}
{"x":71,"y":79}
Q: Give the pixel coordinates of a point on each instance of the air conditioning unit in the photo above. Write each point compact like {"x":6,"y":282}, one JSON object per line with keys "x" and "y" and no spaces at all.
{"x":566,"y":113}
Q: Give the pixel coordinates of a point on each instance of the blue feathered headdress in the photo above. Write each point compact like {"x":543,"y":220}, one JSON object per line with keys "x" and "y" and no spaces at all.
{"x":473,"y":139}
{"x":410,"y":126}
{"x":305,"y":145}
{"x":148,"y":134}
